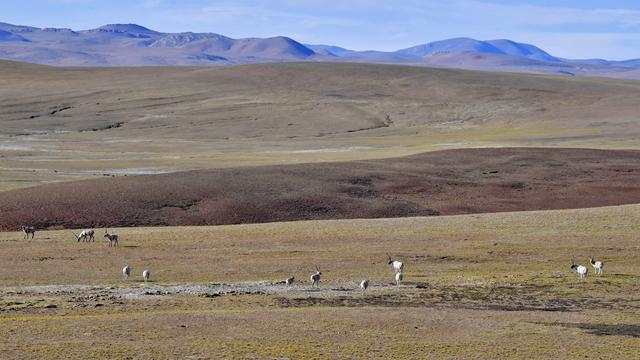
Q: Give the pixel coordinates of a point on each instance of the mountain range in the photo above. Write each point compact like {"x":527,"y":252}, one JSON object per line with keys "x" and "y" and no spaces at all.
{"x":135,"y":45}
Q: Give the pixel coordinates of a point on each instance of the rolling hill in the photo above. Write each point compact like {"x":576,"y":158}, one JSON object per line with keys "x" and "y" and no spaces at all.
{"x":61,"y":124}
{"x":436,"y":183}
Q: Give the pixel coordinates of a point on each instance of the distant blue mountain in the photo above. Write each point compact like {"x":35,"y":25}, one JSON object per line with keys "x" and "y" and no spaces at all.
{"x":529,"y":51}
{"x":136,"y":45}
{"x":496,"y":47}
{"x":9,"y":36}
{"x":186,"y":38}
{"x":125,"y":28}
{"x":16,"y":28}
{"x":335,"y":50}
{"x":456,"y":45}
{"x":635,"y":63}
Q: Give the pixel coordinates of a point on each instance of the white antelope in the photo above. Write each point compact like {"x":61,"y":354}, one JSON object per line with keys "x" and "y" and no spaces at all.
{"x":315,"y":277}
{"x":290,"y":281}
{"x":145,"y":275}
{"x":579,"y":269}
{"x":398,"y":266}
{"x":28,"y":230}
{"x":399,"y":278}
{"x":126,"y":271}
{"x":364,"y":284}
{"x":597,"y":266}
{"x":112,"y":239}
{"x":85,"y":235}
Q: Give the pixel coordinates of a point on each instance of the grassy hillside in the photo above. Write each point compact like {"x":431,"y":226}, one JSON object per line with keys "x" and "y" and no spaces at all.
{"x":60,"y":124}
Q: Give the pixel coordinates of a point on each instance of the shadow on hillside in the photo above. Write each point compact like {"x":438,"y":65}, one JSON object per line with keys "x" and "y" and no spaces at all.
{"x":603,"y":329}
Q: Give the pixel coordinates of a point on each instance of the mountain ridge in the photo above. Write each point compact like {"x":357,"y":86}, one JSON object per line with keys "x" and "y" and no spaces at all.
{"x":136,"y":45}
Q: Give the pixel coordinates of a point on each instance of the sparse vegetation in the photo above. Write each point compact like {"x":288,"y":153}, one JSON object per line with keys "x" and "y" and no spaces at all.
{"x":471,"y":282}
{"x":486,"y":285}
{"x":166,"y":119}
{"x":435,"y":183}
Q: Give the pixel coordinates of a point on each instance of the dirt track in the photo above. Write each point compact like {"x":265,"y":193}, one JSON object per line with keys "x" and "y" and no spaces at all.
{"x":445,"y":183}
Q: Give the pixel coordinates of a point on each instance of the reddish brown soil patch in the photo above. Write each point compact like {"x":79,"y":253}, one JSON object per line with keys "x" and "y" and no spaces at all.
{"x":444,"y":182}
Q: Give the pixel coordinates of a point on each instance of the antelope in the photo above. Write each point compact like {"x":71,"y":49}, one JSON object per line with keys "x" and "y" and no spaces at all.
{"x":399,"y":278}
{"x":145,"y":275}
{"x":85,"y":235}
{"x":597,"y":266}
{"x":315,"y":278}
{"x":364,"y":284}
{"x":289,"y":281}
{"x":88,"y":234}
{"x":112,"y":239}
{"x":580,"y":270}
{"x":28,"y":230}
{"x":126,"y":271}
{"x":398,"y":266}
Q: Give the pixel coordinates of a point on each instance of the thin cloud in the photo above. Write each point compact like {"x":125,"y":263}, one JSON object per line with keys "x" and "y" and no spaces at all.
{"x":234,"y":12}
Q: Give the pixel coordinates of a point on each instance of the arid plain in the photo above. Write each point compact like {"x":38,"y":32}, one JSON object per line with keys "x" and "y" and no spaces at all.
{"x":484,"y":184}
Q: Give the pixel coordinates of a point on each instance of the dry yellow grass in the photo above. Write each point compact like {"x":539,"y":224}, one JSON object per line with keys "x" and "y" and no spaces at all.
{"x":478,"y":286}
{"x":193,"y":118}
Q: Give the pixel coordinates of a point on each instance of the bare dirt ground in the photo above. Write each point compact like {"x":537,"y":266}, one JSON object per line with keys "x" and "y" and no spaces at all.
{"x":434,"y":183}
{"x":60,"y":124}
{"x":476,"y":286}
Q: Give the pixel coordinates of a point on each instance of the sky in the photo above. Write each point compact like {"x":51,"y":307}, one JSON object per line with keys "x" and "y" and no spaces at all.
{"x":577,"y":29}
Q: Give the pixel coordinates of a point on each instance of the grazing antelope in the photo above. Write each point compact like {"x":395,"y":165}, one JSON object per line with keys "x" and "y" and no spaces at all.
{"x":290,"y":281}
{"x":112,"y":239}
{"x":398,"y":266}
{"x":399,"y":278}
{"x":597,"y":266}
{"x":85,"y":235}
{"x":580,"y":270}
{"x":364,"y":284}
{"x":145,"y":275}
{"x":88,"y":234}
{"x":126,"y":271}
{"x":315,"y":278}
{"x":28,"y":230}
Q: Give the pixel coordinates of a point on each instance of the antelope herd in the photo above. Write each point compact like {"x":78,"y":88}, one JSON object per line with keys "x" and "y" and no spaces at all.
{"x":397,"y":265}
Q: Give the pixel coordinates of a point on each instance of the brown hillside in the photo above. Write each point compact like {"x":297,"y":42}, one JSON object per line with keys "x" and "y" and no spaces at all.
{"x":445,"y":182}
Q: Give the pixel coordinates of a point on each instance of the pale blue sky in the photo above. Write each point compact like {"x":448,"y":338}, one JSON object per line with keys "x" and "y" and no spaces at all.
{"x":567,"y":28}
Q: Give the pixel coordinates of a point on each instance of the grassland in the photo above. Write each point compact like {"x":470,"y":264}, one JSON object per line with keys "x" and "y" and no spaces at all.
{"x":61,"y":124}
{"x":488,"y":285}
{"x":477,"y":286}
